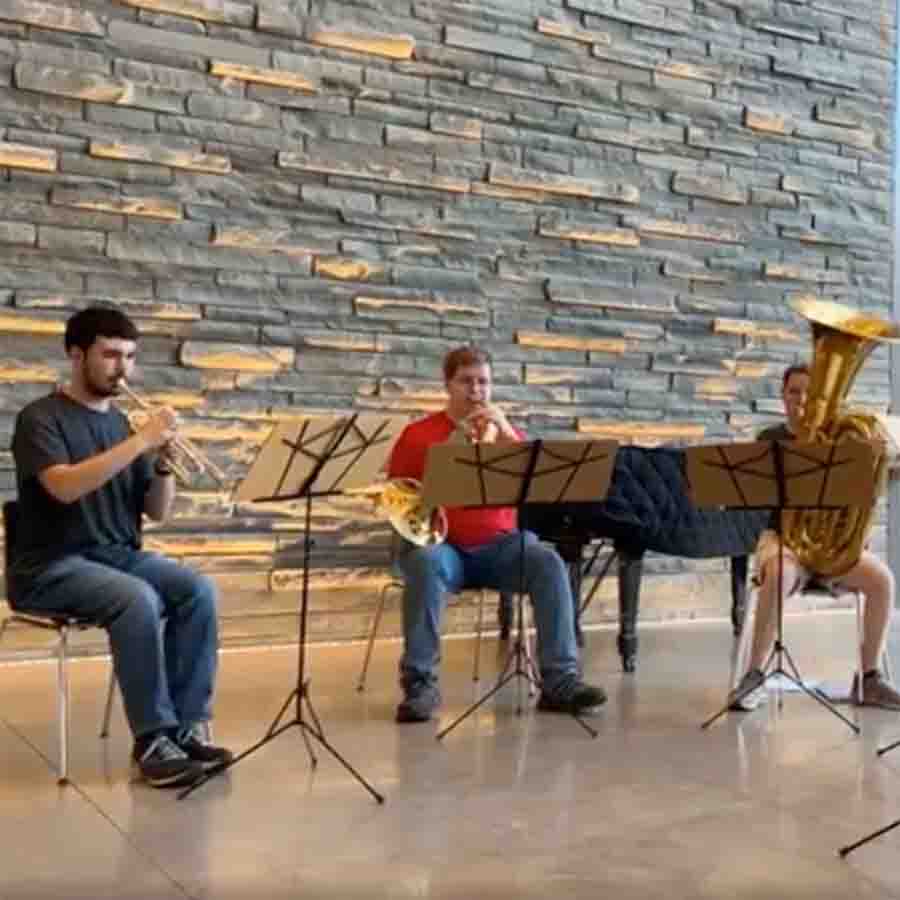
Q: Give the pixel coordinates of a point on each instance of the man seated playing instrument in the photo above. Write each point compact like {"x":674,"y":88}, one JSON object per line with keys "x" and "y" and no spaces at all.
{"x":870,"y":576}
{"x":84,"y":482}
{"x":483,"y":549}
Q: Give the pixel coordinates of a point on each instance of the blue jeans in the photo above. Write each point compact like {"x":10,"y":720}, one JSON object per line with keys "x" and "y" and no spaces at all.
{"x":162,"y":625}
{"x":430,"y":573}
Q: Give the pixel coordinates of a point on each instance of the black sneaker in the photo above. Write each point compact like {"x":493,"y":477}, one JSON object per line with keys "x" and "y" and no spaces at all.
{"x":195,"y":743}
{"x":422,"y":699}
{"x":162,"y":763}
{"x":573,"y":696}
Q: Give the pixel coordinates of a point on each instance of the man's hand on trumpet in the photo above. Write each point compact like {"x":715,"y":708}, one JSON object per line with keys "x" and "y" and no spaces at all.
{"x":159,"y":428}
{"x":166,"y":459}
{"x":487,"y":423}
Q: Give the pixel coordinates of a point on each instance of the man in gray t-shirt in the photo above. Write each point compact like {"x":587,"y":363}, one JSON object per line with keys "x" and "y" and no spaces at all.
{"x":870,"y":576}
{"x":84,"y":484}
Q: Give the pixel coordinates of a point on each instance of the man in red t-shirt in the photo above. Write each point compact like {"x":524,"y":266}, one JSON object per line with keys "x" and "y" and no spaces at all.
{"x":483,"y":549}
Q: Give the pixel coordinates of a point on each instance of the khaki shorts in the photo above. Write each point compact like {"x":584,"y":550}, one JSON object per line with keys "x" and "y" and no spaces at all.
{"x":767,"y":549}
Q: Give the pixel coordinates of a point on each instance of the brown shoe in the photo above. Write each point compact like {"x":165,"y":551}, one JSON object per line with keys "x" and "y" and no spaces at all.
{"x":877,"y":691}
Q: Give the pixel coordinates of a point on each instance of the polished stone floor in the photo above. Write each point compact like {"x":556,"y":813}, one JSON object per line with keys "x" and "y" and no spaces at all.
{"x":505,"y":806}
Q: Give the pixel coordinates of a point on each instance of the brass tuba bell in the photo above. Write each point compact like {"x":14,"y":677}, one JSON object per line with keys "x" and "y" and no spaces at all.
{"x":830,"y":542}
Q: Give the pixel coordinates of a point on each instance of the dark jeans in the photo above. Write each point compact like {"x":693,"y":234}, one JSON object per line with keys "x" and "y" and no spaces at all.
{"x":430,"y":573}
{"x":162,"y":626}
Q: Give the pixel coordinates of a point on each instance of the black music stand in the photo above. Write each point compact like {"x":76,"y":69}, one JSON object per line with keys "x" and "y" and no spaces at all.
{"x":891,"y":425}
{"x":313,"y":457}
{"x":503,"y":474}
{"x":782,"y":476}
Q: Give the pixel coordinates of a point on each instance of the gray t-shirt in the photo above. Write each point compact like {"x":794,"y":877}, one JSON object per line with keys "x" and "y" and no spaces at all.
{"x":58,"y":430}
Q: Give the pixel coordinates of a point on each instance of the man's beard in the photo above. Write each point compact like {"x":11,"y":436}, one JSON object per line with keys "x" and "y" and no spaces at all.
{"x":99,"y":390}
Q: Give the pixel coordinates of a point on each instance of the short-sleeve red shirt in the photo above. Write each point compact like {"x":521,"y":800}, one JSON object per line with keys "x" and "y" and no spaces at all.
{"x":466,"y":527}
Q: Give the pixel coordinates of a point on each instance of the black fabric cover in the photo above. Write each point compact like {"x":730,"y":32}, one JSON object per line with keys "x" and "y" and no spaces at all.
{"x":647,"y":508}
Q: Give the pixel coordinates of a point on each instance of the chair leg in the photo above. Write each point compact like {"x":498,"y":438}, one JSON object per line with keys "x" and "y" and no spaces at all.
{"x":107,"y":709}
{"x":62,"y":679}
{"x":860,"y":637}
{"x":476,"y":668}
{"x":530,"y":652}
{"x":376,"y":621}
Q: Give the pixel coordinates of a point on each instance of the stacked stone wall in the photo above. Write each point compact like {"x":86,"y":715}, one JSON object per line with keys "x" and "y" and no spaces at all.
{"x":305,"y":203}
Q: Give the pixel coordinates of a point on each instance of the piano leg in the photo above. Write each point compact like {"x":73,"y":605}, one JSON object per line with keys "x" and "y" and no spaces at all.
{"x":738,"y":592}
{"x":631,"y":564}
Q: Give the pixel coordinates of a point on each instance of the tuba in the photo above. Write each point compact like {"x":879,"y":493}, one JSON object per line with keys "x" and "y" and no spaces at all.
{"x":831,"y":542}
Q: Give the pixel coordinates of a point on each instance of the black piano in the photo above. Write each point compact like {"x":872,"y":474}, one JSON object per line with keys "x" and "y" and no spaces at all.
{"x":647,"y":509}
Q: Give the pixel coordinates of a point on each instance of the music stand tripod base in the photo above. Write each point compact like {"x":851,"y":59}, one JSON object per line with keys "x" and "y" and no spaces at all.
{"x":513,"y":474}
{"x":844,"y":851}
{"x":781,"y":476}
{"x":304,"y":460}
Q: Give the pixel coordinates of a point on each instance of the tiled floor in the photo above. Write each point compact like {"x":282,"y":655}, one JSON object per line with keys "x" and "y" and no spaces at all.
{"x":505,"y":806}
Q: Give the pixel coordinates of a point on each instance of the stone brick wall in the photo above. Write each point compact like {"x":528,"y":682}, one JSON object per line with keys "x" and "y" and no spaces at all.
{"x":305,"y":203}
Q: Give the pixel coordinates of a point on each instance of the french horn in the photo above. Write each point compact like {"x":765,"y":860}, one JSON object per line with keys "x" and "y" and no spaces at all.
{"x":399,"y":500}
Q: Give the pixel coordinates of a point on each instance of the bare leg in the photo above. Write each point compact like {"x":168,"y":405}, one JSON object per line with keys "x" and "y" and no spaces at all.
{"x":871,"y":576}
{"x":767,"y":604}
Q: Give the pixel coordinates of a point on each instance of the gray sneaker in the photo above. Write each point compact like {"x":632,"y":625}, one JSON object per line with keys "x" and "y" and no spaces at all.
{"x":421,"y":700}
{"x":749,"y":693}
{"x":162,"y":763}
{"x":572,"y":696}
{"x":877,"y":691}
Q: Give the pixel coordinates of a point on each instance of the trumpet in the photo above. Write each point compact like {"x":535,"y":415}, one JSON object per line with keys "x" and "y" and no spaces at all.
{"x":468,"y":431}
{"x":188,"y":461}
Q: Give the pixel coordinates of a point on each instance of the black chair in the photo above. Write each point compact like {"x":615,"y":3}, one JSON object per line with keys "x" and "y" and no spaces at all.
{"x":62,"y":625}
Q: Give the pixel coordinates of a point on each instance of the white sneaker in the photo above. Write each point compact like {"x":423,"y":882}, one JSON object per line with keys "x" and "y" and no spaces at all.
{"x":749,"y":693}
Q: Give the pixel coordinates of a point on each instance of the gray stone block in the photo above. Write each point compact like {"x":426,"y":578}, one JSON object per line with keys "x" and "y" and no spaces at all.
{"x":136,"y":119}
{"x":122,"y":32}
{"x":488,"y":42}
{"x":394,"y":83}
{"x":52,"y":15}
{"x":353,"y":201}
{"x":17,"y":233}
{"x":94,"y":86}
{"x":70,"y":240}
{"x":231,"y":109}
{"x":710,"y":187}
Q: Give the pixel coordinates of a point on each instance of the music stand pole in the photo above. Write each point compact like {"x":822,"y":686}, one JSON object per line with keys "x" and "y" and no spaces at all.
{"x":780,"y":653}
{"x":300,"y":694}
{"x":518,"y":663}
{"x":884,"y":830}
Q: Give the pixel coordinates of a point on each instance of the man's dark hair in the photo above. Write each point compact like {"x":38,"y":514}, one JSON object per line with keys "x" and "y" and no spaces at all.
{"x":796,"y":369}
{"x":86,"y":326}
{"x":464,"y":356}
